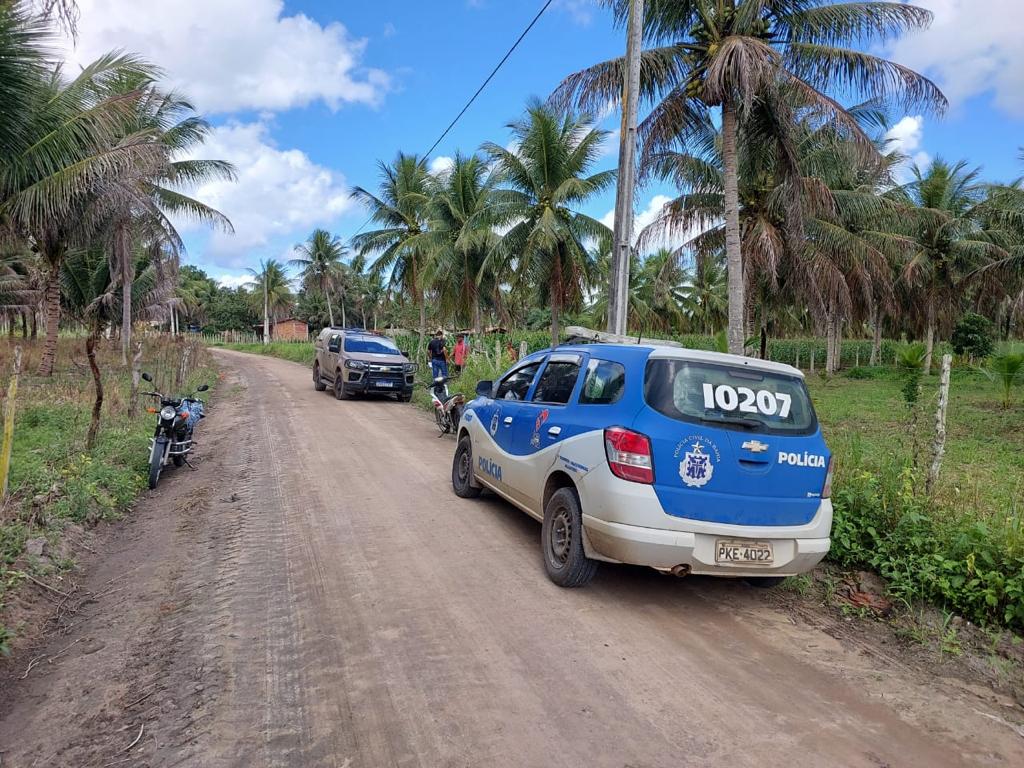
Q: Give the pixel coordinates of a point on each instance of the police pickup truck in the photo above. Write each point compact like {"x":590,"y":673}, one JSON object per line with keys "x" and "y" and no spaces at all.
{"x":682,"y":460}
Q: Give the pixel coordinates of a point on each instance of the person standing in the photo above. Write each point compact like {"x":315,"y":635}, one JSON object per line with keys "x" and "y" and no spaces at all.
{"x":437,"y":354}
{"x":460,"y":352}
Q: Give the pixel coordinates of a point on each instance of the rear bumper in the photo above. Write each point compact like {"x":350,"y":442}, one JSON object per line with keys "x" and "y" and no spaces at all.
{"x":665,"y":549}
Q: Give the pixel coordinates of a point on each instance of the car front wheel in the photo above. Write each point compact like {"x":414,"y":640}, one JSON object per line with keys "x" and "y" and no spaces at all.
{"x":339,"y":388}
{"x":462,"y":470}
{"x":562,"y":541}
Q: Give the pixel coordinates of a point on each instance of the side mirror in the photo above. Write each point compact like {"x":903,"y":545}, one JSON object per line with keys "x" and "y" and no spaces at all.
{"x":147,"y":377}
{"x":202,"y":388}
{"x":484,"y":388}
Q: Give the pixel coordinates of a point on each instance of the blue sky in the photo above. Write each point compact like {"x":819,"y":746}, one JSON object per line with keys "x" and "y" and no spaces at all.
{"x":306,"y":95}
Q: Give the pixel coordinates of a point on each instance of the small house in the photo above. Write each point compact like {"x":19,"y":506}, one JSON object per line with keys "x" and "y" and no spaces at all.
{"x":287,"y":329}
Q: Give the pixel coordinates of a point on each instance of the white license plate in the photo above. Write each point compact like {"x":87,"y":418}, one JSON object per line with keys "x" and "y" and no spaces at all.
{"x":385,"y":383}
{"x":746,"y":552}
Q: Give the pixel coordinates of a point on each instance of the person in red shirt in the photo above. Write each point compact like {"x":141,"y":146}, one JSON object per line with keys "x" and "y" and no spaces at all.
{"x":460,"y":352}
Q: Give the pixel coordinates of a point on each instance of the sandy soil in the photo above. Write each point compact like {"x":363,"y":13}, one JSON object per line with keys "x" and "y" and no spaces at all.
{"x":315,"y":595}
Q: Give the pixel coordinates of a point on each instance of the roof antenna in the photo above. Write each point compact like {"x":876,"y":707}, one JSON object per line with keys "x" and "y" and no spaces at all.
{"x":639,"y":336}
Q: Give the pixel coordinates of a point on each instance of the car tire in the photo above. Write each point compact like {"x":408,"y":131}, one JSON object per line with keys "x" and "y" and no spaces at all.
{"x":562,"y":541}
{"x":765,"y":582}
{"x":318,"y":382}
{"x":339,"y":388}
{"x":462,"y":470}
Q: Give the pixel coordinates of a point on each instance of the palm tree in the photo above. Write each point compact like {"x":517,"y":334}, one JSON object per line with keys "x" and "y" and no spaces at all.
{"x":462,"y":237}
{"x":137,"y":205}
{"x":728,"y":54}
{"x":321,"y":267}
{"x":943,"y":227}
{"x":401,"y":209}
{"x":272,"y":290}
{"x":705,"y":295}
{"x":76,"y":142}
{"x":546,"y":178}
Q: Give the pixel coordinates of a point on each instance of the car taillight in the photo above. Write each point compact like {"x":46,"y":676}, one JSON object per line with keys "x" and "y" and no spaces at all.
{"x":629,"y":455}
{"x":826,"y":490}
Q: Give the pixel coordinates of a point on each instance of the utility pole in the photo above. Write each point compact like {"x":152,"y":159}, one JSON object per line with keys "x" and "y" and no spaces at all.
{"x":266,"y":308}
{"x":618,"y":303}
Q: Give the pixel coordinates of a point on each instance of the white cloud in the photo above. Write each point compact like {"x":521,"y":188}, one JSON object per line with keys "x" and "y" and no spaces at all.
{"x":580,"y":11}
{"x":972,"y":47}
{"x":643,"y":218}
{"x":279,"y":192}
{"x":440,"y":165}
{"x":906,"y":137}
{"x":228,"y":55}
{"x":610,"y":144}
{"x":233,"y":281}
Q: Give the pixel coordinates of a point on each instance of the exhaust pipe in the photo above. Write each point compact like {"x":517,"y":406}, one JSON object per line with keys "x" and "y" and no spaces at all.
{"x":683,"y":569}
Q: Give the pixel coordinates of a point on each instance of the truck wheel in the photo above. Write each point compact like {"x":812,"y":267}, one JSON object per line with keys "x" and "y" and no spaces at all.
{"x":339,"y":388}
{"x":765,"y":582}
{"x":462,"y":470}
{"x":562,"y":541}
{"x":318,"y":383}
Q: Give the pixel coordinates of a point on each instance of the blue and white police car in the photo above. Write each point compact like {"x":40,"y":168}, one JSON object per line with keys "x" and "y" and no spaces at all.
{"x":682,"y":460}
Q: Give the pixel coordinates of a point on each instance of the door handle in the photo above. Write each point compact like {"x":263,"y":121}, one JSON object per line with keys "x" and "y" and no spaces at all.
{"x":554,"y":431}
{"x":508,"y":421}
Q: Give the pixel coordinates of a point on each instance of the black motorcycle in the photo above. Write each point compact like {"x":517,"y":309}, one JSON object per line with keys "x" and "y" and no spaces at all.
{"x":176,"y":421}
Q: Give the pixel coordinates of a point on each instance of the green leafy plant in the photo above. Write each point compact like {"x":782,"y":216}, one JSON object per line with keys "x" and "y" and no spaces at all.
{"x":1006,"y":370}
{"x":973,"y":336}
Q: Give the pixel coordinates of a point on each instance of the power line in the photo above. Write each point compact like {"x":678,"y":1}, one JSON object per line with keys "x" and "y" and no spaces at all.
{"x":478,"y":92}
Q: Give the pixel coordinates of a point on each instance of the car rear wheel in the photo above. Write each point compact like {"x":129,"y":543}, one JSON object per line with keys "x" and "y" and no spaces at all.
{"x":462,"y":470}
{"x":318,"y":382}
{"x":562,"y":541}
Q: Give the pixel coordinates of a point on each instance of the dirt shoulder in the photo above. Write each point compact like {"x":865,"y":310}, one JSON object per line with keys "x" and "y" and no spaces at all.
{"x":315,"y":595}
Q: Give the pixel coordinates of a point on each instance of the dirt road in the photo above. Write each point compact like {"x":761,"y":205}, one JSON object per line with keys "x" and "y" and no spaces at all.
{"x":315,"y":595}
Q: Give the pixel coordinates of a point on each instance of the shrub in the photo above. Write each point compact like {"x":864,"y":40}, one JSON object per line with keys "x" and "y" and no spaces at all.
{"x":1006,"y":370}
{"x":973,"y":336}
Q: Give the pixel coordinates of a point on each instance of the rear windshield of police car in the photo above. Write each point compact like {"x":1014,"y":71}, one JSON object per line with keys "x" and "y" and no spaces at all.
{"x":365,"y":344}
{"x":729,"y":397}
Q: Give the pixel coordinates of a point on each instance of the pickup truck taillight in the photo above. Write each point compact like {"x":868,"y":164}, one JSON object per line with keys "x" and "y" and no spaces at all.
{"x":629,"y":455}
{"x":826,"y":490}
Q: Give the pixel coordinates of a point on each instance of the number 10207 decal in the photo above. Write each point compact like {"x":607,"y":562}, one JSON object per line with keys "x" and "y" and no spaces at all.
{"x":728,"y":398}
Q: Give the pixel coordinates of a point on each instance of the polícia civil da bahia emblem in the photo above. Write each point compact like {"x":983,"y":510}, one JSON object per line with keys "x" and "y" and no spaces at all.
{"x":696,"y":468}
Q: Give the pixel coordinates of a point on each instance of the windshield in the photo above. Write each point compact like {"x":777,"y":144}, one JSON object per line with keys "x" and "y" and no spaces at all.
{"x":734,"y":398}
{"x":378,"y":346}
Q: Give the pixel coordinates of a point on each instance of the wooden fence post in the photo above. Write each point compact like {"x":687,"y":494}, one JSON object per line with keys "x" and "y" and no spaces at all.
{"x":812,"y":361}
{"x":8,"y":439}
{"x":939,"y":444}
{"x":797,"y":363}
{"x":522,"y":349}
{"x":856,"y":357}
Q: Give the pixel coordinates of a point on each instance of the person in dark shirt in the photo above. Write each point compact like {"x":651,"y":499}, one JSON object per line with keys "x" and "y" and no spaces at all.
{"x":437,"y":354}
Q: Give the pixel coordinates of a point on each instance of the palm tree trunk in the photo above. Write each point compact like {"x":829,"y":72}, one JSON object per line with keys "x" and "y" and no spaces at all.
{"x":876,"y":341}
{"x":929,"y":338}
{"x":734,"y":256}
{"x":126,"y":266}
{"x":97,"y":405}
{"x":477,"y":319}
{"x":35,"y":324}
{"x":330,"y":309}
{"x":830,"y":346}
{"x":266,"y":309}
{"x":344,"y":322}
{"x":556,"y":298}
{"x":52,"y":301}
{"x":24,"y":324}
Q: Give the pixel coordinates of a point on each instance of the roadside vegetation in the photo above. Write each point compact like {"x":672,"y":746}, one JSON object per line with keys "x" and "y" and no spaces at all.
{"x":58,"y":485}
{"x":96,"y":170}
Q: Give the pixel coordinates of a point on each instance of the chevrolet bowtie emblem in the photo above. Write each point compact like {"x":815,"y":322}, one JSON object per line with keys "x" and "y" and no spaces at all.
{"x":756,"y":446}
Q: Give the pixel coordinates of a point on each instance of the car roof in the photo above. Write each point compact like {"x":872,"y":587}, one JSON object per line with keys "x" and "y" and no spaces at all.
{"x":628,"y":353}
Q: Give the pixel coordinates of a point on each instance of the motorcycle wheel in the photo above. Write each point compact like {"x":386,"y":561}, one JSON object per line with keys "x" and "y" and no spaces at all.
{"x":156,"y":464}
{"x":439,"y":417}
{"x":455,"y":416}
